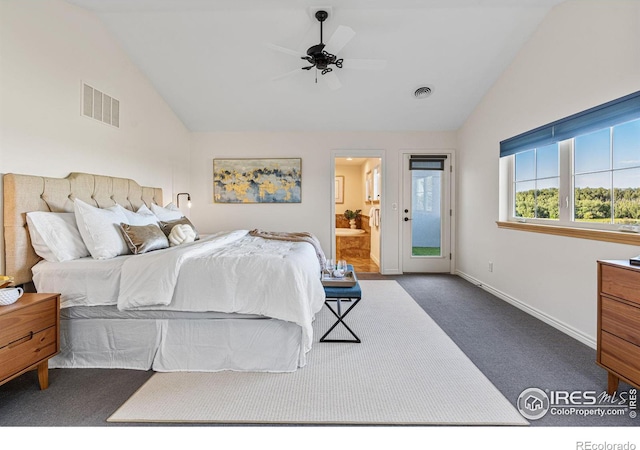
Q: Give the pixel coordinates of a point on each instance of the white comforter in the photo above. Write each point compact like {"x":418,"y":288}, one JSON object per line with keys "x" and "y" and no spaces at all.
{"x":228,"y":272}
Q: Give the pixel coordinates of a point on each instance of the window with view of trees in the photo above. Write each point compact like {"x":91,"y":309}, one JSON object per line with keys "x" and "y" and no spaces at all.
{"x":607,"y":175}
{"x":537,"y":183}
{"x":595,"y":175}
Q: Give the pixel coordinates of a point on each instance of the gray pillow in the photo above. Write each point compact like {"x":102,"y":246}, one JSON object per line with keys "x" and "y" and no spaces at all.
{"x":143,"y":238}
{"x":166,"y":227}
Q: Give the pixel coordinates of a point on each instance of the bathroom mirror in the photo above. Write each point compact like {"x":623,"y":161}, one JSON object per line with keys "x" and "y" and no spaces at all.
{"x":376,"y":184}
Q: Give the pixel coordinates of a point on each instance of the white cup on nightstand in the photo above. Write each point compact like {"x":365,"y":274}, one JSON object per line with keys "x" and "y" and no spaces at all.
{"x":9,"y":296}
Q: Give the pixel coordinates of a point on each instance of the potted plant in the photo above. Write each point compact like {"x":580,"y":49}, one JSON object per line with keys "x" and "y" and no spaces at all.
{"x":352,"y":216}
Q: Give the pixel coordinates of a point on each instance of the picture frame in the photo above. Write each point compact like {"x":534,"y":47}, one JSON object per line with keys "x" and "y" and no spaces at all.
{"x":339,"y":189}
{"x":262,"y":180}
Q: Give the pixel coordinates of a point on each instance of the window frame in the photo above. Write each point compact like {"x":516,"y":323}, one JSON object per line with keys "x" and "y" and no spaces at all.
{"x":566,"y":194}
{"x":564,"y":131}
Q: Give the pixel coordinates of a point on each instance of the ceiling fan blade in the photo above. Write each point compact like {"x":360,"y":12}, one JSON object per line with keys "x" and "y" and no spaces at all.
{"x":339,"y":39}
{"x":286,"y":75}
{"x":364,"y":64}
{"x":288,"y":51}
{"x":332,"y":80}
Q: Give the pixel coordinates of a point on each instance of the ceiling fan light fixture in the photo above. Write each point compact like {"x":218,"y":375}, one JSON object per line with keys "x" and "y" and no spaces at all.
{"x":422,"y":92}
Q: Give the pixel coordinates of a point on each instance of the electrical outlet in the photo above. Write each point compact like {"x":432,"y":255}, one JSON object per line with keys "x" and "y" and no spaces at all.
{"x":490,"y":266}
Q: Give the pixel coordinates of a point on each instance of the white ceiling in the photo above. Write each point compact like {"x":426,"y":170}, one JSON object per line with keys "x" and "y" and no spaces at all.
{"x":209,"y":61}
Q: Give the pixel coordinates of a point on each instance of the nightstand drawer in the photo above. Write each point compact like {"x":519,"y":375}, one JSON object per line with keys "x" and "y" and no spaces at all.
{"x":25,"y":320}
{"x":620,"y":282}
{"x":621,"y":319}
{"x":28,"y":351}
{"x":620,"y":356}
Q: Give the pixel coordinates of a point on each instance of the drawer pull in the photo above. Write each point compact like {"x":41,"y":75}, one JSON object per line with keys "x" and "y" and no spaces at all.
{"x":27,"y":338}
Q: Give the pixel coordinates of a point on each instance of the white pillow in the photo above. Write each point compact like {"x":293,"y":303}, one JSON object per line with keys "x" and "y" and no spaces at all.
{"x":169,"y":212}
{"x":142,"y":217}
{"x":55,"y":236}
{"x":100,"y":230}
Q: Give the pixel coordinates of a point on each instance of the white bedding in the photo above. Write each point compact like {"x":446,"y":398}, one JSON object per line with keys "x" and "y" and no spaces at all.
{"x":82,"y":282}
{"x":230,"y":272}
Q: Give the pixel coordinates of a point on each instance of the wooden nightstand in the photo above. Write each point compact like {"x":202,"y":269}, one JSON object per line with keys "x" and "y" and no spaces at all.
{"x":29,"y":336}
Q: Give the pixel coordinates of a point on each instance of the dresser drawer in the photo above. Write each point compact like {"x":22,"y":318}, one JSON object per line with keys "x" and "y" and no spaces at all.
{"x":620,"y":356}
{"x":621,"y":320}
{"x":29,"y":319}
{"x":28,"y":351}
{"x":620,"y":282}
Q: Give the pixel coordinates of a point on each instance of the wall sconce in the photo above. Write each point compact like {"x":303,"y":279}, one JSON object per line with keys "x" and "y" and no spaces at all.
{"x":188,"y":199}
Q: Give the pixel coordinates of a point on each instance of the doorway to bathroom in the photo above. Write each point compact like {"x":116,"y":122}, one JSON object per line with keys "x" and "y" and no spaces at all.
{"x":358,"y":196}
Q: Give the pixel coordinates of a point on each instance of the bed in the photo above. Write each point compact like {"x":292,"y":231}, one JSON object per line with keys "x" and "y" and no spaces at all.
{"x":227,"y":301}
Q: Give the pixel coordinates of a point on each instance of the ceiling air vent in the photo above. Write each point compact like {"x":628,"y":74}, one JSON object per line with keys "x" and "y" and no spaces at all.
{"x":100,"y":106}
{"x":422,"y":92}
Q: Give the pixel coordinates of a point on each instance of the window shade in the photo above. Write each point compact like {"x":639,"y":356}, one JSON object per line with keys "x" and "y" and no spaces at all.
{"x":427,"y":162}
{"x":606,"y":115}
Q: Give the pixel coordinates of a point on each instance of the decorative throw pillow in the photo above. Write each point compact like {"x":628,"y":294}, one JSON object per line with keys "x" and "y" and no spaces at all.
{"x":181,"y":234}
{"x":166,"y":227}
{"x":169,"y":212}
{"x":100,"y":230}
{"x":55,"y":236}
{"x":143,"y":238}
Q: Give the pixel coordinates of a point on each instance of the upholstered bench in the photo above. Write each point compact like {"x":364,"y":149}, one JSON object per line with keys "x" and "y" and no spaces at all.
{"x":342,"y":294}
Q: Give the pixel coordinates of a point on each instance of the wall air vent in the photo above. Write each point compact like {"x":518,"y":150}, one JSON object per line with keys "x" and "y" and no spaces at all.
{"x":100,"y":106}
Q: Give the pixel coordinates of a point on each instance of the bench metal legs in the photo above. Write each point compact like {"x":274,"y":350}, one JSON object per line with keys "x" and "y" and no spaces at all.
{"x":340,"y":315}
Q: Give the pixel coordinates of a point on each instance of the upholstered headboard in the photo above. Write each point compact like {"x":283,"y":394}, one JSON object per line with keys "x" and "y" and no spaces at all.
{"x":25,"y":193}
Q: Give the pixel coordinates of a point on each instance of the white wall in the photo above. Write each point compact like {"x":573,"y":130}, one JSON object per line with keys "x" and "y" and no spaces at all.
{"x":48,"y":48}
{"x":583,"y":54}
{"x":316,"y":149}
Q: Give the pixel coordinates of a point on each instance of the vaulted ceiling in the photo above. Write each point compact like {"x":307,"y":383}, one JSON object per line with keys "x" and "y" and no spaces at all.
{"x":210,"y":61}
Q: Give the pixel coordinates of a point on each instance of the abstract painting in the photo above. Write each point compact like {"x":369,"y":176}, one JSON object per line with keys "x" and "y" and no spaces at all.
{"x":257,"y":180}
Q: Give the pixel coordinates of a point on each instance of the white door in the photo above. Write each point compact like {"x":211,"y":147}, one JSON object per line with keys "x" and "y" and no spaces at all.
{"x":426,"y":213}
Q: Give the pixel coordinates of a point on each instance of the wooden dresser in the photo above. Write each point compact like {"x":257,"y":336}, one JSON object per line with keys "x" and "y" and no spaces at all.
{"x":29,"y":336}
{"x":619,"y":322}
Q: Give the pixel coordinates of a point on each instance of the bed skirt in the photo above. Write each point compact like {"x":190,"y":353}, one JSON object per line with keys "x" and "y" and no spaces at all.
{"x":180,"y":344}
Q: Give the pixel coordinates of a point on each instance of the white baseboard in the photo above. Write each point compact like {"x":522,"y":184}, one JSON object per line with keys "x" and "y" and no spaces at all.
{"x":555,"y":323}
{"x":374,"y":259}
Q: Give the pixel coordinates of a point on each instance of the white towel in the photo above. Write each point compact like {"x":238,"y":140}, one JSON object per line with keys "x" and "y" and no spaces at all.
{"x":372,"y":213}
{"x":377,"y":217}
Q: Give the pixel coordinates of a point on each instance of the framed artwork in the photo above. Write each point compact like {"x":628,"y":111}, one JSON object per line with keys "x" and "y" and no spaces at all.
{"x":276,"y":180}
{"x":339,"y":189}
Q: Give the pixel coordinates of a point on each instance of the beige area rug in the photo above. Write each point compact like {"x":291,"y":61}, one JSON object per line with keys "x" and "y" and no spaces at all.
{"x":405,"y":371}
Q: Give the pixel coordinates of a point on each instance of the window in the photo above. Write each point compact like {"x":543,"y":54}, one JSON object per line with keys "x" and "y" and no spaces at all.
{"x":537,"y":183}
{"x":422,"y":192}
{"x":582,"y":171}
{"x":606,"y":175}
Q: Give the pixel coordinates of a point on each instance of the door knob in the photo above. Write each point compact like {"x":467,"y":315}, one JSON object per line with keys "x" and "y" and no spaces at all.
{"x":406,"y":219}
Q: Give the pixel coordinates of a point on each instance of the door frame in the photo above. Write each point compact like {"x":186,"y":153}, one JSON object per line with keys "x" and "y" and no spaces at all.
{"x":353,"y":153}
{"x":452,"y":201}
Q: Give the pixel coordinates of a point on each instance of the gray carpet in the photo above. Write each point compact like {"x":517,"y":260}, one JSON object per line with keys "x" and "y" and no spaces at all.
{"x":405,"y":371}
{"x":528,"y":353}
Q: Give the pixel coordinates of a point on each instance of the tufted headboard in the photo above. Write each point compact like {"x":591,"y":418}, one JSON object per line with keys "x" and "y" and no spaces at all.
{"x":25,"y":193}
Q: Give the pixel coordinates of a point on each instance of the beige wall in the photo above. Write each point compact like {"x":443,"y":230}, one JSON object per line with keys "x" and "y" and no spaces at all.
{"x":583,"y":54}
{"x":353,"y":188}
{"x":49,"y":48}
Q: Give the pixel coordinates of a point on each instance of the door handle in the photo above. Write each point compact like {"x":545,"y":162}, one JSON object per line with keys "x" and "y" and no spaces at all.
{"x":406,"y":219}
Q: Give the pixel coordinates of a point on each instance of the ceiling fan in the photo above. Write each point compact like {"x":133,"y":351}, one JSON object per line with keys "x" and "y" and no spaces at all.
{"x":322,"y":57}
